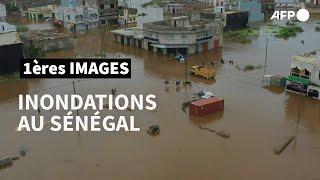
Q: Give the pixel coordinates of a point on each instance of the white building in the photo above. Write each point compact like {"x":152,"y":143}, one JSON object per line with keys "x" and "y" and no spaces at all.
{"x":77,"y":18}
{"x":307,"y":66}
{"x":213,"y":3}
{"x":6,"y":28}
{"x":3,"y":12}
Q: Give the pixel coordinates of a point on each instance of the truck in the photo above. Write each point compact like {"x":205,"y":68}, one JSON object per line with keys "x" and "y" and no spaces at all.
{"x":204,"y":72}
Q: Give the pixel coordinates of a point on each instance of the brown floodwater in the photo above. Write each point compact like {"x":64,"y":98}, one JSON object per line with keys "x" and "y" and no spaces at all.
{"x":258,"y":119}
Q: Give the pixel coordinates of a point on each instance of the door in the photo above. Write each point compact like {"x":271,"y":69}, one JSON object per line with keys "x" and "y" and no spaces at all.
{"x":205,"y":46}
{"x":216,"y":43}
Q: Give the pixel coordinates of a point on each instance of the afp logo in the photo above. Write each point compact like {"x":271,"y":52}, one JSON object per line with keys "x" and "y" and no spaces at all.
{"x":302,"y":15}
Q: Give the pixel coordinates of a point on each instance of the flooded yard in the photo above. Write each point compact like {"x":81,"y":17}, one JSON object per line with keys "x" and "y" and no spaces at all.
{"x":257,"y":119}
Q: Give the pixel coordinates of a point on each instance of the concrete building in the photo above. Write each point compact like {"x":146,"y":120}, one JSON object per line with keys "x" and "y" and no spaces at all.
{"x":213,"y":3}
{"x":130,"y":36}
{"x":3,"y":13}
{"x":6,"y":27}
{"x":25,"y":4}
{"x":108,"y":10}
{"x":40,"y":13}
{"x":304,"y":77}
{"x":128,"y":16}
{"x":254,"y":7}
{"x":182,"y":35}
{"x":184,"y":7}
{"x":307,"y":66}
{"x":49,"y":40}
{"x":232,"y":19}
{"x":77,"y":18}
{"x":11,"y":52}
{"x":69,"y":3}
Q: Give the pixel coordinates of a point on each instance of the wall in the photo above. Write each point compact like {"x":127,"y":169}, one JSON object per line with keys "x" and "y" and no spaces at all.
{"x":254,"y":8}
{"x":10,"y":58}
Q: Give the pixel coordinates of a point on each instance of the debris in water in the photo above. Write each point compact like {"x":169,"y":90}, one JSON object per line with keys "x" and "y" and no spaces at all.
{"x":280,"y":149}
{"x":22,"y":151}
{"x":219,"y":133}
{"x":5,"y":162}
{"x":154,"y":130}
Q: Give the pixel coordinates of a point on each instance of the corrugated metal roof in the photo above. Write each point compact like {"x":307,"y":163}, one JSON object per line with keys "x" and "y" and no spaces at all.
{"x":202,"y":102}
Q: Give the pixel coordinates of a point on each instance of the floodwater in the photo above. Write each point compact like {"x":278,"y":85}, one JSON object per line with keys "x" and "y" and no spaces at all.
{"x":257,"y":119}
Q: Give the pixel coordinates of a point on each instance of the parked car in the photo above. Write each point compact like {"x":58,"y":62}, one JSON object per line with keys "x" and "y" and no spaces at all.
{"x":299,"y":88}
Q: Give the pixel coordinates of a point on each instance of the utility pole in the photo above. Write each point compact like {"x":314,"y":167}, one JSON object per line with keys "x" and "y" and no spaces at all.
{"x":265,"y":61}
{"x":266,"y":57}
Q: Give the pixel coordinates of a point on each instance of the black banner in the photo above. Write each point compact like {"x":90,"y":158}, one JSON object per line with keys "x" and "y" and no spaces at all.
{"x":75,"y":68}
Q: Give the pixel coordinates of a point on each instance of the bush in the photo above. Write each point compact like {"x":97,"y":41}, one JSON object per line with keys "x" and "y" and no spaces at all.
{"x":242,"y":36}
{"x":248,"y":67}
{"x":34,"y":52}
{"x":287,"y":32}
{"x":22,"y":28}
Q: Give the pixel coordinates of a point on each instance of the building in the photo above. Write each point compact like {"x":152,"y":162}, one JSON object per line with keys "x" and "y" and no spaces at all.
{"x":182,"y":35}
{"x":3,"y":13}
{"x":307,"y":66}
{"x":23,"y":5}
{"x":6,"y":27}
{"x":108,"y":10}
{"x":48,"y":40}
{"x":254,"y":7}
{"x":128,"y":16}
{"x":305,"y":73}
{"x":213,"y":3}
{"x":40,"y":13}
{"x":130,"y":36}
{"x":184,"y":7}
{"x":69,"y":3}
{"x":232,"y":19}
{"x":11,"y":52}
{"x":77,"y":18}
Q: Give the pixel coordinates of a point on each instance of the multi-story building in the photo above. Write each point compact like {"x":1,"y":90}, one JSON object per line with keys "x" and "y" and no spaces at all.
{"x":213,"y":3}
{"x":3,"y":13}
{"x":182,"y":35}
{"x":232,"y":19}
{"x":305,"y":73}
{"x":128,"y":16}
{"x":39,"y":13}
{"x":184,"y":7}
{"x":77,"y":18}
{"x":23,"y":5}
{"x":108,"y":10}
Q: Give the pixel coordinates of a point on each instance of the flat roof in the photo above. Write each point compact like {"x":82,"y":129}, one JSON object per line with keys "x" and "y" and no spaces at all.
{"x":206,"y":101}
{"x":9,"y":38}
{"x":133,"y":32}
{"x":43,"y":35}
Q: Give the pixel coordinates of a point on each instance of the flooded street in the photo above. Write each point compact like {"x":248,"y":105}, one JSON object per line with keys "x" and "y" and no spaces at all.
{"x":257,"y":119}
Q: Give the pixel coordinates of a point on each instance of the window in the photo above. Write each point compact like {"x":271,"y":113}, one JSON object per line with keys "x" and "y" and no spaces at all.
{"x":68,"y":17}
{"x":319,"y":74}
{"x":111,"y":5}
{"x":101,"y":6}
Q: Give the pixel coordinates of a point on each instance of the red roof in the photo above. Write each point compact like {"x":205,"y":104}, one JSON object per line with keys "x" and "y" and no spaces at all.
{"x":202,"y":102}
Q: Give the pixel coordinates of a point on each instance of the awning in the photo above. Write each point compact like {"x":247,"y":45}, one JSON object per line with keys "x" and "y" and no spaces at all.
{"x":298,"y":80}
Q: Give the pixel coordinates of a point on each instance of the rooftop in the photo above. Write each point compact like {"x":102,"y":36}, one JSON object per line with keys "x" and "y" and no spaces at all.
{"x":191,"y":25}
{"x":43,"y":35}
{"x":9,"y":38}
{"x":137,"y":33}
